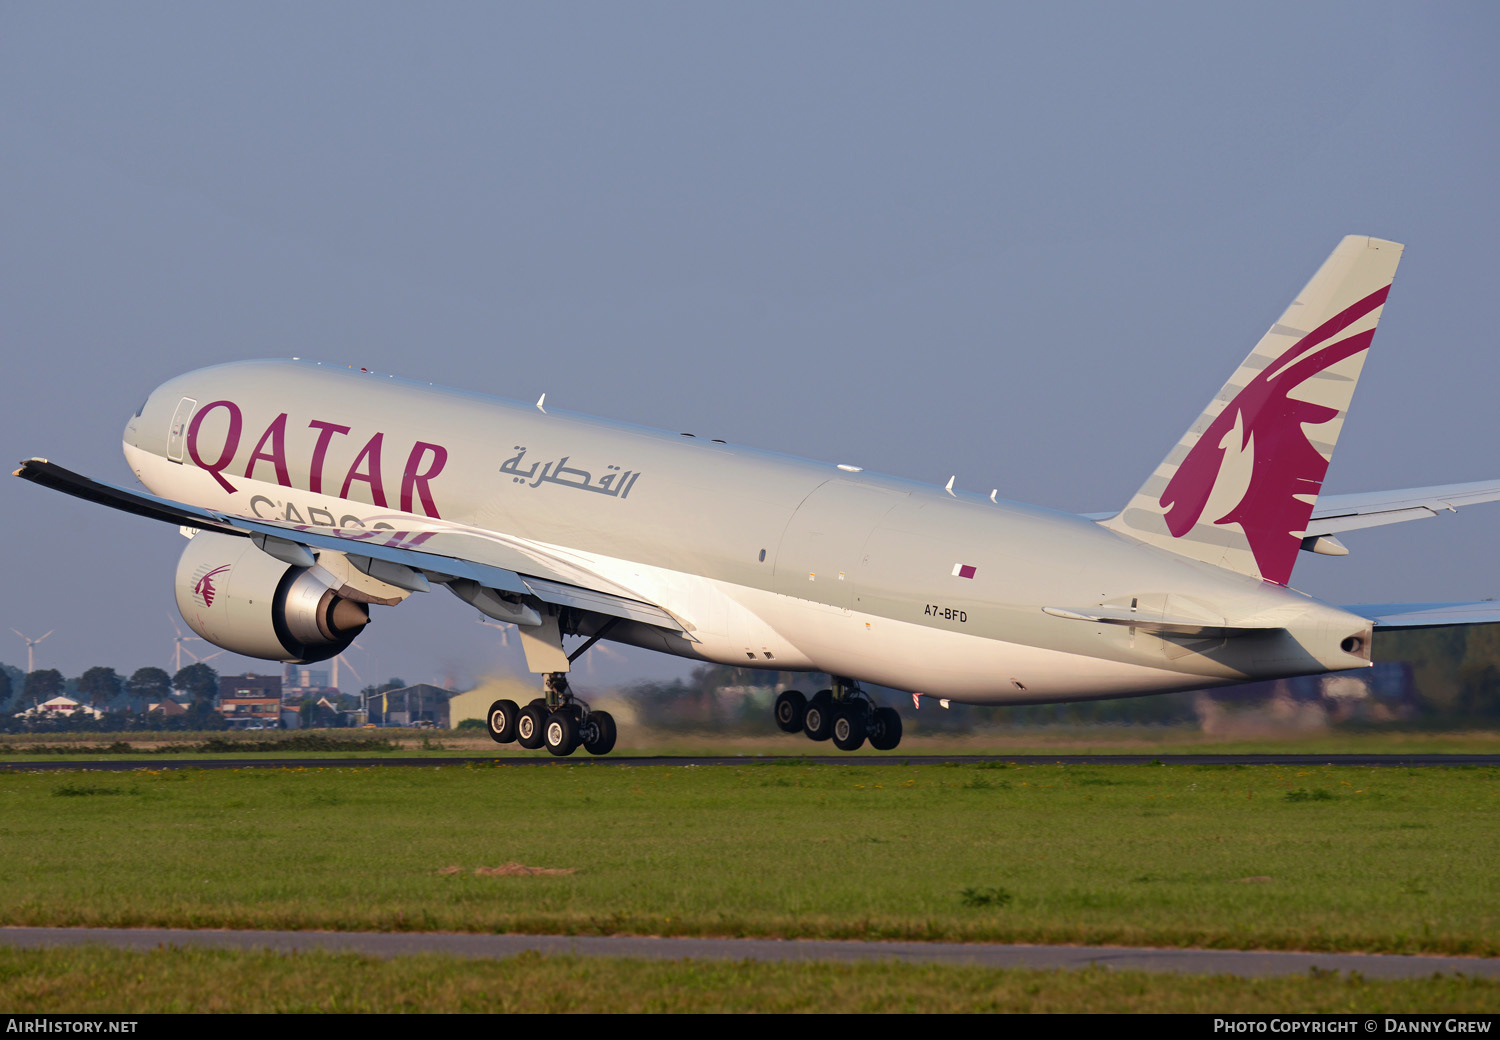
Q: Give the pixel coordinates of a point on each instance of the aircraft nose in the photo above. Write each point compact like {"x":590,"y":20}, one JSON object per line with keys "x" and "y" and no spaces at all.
{"x":132,"y":427}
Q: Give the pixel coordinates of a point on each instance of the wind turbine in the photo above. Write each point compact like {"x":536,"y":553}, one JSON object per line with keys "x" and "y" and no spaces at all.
{"x":598,"y":648}
{"x":502,"y":626}
{"x":179,"y":649}
{"x":31,"y":648}
{"x":333,"y":680}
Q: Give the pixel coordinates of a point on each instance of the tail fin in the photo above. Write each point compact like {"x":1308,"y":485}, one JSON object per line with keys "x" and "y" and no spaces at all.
{"x":1239,"y":487}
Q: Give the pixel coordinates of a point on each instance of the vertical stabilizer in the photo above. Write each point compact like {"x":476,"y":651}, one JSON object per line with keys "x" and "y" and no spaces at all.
{"x":1238,"y":488}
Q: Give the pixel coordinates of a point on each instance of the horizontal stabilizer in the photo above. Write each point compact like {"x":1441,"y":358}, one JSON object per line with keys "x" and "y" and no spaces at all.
{"x":1427,"y":615}
{"x":1336,"y":513}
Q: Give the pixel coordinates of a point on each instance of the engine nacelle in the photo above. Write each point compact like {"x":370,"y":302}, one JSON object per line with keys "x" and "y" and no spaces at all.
{"x":242,"y":599}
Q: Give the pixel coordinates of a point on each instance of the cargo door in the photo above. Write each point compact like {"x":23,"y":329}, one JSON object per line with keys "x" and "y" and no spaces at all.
{"x":821,"y":549}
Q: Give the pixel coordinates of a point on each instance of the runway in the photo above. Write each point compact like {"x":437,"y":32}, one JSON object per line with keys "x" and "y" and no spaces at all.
{"x":673,"y":761}
{"x":1240,"y":963}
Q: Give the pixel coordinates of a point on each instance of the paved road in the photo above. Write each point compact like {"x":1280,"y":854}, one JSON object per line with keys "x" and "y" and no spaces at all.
{"x":541,"y":758}
{"x":1244,"y":963}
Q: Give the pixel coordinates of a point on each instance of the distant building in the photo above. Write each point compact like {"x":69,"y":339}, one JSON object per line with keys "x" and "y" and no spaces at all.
{"x":59,"y":706}
{"x":475,"y":703}
{"x":419,"y":705}
{"x":168,"y":708}
{"x":251,"y":698}
{"x":305,"y":678}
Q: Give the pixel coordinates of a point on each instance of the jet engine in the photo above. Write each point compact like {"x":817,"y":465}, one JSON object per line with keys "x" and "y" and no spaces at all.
{"x":243,"y":599}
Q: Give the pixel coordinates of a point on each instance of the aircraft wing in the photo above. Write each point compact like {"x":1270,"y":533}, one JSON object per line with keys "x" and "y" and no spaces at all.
{"x":1334,"y":513}
{"x":1427,"y":615}
{"x":491,"y":561}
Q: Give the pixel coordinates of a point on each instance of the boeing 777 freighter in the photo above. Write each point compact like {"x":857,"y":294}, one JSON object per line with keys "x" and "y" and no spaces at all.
{"x":312,"y":492}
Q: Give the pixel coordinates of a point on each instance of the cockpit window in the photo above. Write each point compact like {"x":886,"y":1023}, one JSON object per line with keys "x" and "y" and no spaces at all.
{"x":141,"y":409}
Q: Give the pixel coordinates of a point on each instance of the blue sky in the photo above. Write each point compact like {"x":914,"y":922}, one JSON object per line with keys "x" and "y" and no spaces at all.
{"x":1022,"y":244}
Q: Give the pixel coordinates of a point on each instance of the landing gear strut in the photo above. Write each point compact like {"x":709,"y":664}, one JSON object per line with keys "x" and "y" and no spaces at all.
{"x":844,"y":714}
{"x":558,"y":721}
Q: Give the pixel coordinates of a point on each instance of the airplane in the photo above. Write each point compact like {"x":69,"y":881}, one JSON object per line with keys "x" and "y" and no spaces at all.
{"x":313,"y":492}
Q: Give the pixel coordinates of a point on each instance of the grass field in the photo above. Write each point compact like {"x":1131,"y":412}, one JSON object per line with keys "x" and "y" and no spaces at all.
{"x":634,"y":740}
{"x":1378,"y":860}
{"x":1327,"y":859}
{"x":175,"y":980}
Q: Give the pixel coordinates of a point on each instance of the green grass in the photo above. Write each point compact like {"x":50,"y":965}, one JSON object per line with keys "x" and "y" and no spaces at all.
{"x":88,"y":980}
{"x":1382,"y":860}
{"x":1161,"y":741}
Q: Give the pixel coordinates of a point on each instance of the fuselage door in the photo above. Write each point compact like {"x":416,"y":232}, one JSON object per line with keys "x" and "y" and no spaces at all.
{"x":820,"y":552}
{"x":177,"y":435}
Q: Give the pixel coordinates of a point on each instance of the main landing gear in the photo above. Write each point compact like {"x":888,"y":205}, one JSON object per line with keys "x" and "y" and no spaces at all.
{"x":558,"y":721}
{"x":844,"y":714}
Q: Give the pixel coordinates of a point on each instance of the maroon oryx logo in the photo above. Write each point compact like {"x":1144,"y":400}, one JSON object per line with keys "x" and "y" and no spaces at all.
{"x":1284,"y":464}
{"x":204,"y":589}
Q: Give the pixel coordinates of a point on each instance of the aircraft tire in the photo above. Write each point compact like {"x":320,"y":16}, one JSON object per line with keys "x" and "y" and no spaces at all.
{"x":599,"y":733}
{"x":560,"y":733}
{"x":529,"y":726}
{"x":885,"y":732}
{"x":848,"y":729}
{"x":817,"y":722}
{"x":501,"y":721}
{"x":790,"y":707}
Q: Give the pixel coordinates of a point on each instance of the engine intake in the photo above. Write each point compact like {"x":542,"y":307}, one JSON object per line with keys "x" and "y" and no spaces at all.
{"x":242,"y":599}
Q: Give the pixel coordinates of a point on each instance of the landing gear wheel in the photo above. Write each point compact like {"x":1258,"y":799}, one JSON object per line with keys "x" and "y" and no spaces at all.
{"x":790,"y":707}
{"x":885,"y":729}
{"x":501,"y":721}
{"x":599,"y":733}
{"x":817,"y":722}
{"x":848,"y":728}
{"x":529,"y":726}
{"x":561,"y":733}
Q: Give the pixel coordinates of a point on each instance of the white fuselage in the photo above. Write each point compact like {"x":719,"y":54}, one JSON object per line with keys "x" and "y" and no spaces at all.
{"x":767,"y":561}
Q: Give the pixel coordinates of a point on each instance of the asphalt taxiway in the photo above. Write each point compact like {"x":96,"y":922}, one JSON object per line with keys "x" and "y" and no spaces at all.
{"x":541,"y":758}
{"x":1241,"y":963}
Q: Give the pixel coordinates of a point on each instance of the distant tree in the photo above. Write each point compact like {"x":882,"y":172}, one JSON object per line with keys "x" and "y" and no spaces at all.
{"x":202,"y":715}
{"x":6,"y":690}
{"x":150,"y":685}
{"x":198,"y":681}
{"x":17,"y":679}
{"x":1479,"y":674}
{"x":1435,"y":656}
{"x":99,"y":686}
{"x":43,"y":685}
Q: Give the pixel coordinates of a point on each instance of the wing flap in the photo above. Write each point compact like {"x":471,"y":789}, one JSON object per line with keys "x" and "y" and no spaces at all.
{"x":493,"y":562}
